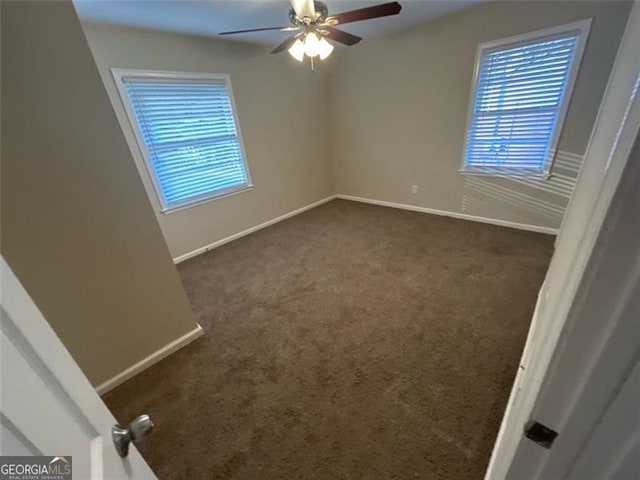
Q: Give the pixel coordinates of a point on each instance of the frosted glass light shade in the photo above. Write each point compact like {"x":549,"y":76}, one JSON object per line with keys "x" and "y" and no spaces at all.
{"x":312,"y":45}
{"x":297,"y":50}
{"x":324,"y":48}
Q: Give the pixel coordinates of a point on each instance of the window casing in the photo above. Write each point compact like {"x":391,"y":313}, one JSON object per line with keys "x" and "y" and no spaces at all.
{"x":519,"y":99}
{"x":187,"y":131}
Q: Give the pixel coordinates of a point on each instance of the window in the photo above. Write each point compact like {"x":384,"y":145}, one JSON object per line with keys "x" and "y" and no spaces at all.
{"x":520,"y":96}
{"x":188,"y":133}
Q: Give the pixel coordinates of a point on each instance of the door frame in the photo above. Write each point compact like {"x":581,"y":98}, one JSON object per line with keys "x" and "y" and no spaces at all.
{"x":608,"y":151}
{"x":598,"y":351}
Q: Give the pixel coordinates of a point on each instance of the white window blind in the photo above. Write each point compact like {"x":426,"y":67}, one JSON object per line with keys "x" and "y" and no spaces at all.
{"x":189,"y":134}
{"x":521,"y":95}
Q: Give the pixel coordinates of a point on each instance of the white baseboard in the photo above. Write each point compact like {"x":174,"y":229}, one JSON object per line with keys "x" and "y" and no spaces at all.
{"x":463,"y":216}
{"x":235,"y":236}
{"x":150,"y":360}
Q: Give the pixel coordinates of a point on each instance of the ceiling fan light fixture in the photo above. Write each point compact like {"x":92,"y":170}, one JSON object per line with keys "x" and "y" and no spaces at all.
{"x":310,"y":21}
{"x":324,"y":48}
{"x":312,"y":44}
{"x":297,"y":50}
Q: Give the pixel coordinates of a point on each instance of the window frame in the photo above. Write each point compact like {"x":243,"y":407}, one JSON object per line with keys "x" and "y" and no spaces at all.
{"x":120,"y":75}
{"x":582,"y":27}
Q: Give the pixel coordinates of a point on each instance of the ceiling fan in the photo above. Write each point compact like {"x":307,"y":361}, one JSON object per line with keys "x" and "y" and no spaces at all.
{"x":313,"y":25}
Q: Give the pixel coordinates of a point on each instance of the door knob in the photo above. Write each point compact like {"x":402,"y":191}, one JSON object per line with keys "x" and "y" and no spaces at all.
{"x":139,"y":428}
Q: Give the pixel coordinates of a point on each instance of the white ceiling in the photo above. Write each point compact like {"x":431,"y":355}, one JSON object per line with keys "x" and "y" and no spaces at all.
{"x":209,"y":17}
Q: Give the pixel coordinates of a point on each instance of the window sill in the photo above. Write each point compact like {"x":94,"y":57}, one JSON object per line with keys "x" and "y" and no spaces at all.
{"x":501,"y":173}
{"x":208,"y":199}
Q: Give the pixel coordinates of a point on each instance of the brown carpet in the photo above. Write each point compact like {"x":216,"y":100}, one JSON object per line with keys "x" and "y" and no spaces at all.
{"x":349,"y":342}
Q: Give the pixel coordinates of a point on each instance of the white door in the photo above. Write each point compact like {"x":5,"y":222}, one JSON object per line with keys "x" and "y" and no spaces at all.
{"x":47,"y":406}
{"x":612,"y":450}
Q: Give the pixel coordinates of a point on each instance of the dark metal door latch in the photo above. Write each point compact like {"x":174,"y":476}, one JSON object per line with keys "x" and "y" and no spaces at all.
{"x":540,"y":434}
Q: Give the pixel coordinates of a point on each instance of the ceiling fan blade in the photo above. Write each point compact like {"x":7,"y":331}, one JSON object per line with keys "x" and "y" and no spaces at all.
{"x":382,"y":10}
{"x":340,"y":36}
{"x":284,"y":45}
{"x":304,"y":8}
{"x":282,"y":29}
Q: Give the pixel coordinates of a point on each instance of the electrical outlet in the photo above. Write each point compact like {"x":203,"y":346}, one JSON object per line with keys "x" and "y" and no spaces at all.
{"x":414,"y":188}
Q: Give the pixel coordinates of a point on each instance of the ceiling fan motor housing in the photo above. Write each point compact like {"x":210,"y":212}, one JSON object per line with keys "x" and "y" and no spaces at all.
{"x":322,"y":11}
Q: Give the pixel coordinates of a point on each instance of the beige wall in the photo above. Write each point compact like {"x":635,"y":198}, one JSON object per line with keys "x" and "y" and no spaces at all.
{"x":282,"y":109}
{"x":378,"y":118}
{"x":77,"y":228}
{"x":399,"y":109}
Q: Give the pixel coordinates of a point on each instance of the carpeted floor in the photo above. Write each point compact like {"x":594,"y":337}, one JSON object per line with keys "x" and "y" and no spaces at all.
{"x":349,"y":342}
